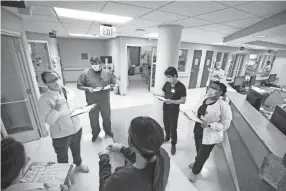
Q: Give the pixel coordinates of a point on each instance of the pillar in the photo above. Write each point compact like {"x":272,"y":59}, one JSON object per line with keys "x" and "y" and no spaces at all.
{"x":168,"y":47}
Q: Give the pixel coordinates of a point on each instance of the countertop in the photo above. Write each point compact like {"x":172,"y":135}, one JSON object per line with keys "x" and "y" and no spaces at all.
{"x":272,"y":138}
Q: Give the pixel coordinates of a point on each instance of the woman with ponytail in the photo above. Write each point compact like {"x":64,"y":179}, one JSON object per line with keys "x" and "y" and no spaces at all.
{"x":147,"y":164}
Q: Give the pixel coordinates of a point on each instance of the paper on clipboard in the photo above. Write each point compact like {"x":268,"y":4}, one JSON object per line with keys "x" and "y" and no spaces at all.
{"x":161,"y":98}
{"x":83,"y":110}
{"x":192,"y":116}
{"x":105,"y":88}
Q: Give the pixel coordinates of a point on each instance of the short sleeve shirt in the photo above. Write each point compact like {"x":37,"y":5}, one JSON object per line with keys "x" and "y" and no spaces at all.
{"x":174,"y":93}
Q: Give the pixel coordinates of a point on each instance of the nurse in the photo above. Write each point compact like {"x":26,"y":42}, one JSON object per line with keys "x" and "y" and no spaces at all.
{"x":97,"y":82}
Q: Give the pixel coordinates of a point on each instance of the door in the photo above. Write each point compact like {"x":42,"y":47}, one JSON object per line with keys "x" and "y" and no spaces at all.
{"x":195,"y":69}
{"x":218,"y":56}
{"x":224,"y":60}
{"x":18,"y":118}
{"x":236,"y":65}
{"x":134,"y":54}
{"x":207,"y":65}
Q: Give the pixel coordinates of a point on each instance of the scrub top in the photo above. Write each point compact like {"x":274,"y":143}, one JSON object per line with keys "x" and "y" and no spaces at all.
{"x":174,"y":93}
{"x":90,"y":78}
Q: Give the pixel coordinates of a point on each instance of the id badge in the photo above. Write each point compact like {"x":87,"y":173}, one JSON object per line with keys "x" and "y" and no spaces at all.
{"x":173,"y":90}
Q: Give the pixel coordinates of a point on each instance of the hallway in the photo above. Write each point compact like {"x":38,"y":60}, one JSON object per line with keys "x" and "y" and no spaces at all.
{"x":214,"y":177}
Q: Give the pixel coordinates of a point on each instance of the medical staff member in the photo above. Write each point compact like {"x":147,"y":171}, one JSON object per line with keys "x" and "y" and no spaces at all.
{"x":175,"y":94}
{"x":56,"y":105}
{"x":92,"y":81}
{"x":216,"y":74}
{"x":13,"y":163}
{"x":216,"y":116}
{"x":148,"y":164}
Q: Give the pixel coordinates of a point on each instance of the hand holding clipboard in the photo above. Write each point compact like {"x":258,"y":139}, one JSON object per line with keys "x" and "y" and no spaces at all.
{"x":192,"y":116}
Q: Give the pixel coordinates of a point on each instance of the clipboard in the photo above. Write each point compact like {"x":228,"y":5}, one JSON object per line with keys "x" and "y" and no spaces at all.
{"x":108,"y":87}
{"x":192,"y":116}
{"x":160,"y":98}
{"x":82,"y":111}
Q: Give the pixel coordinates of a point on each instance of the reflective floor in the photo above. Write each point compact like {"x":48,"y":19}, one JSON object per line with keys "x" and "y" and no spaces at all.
{"x":215,"y":175}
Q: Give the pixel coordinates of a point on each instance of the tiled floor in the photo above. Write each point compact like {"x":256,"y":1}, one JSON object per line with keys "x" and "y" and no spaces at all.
{"x":214,"y":177}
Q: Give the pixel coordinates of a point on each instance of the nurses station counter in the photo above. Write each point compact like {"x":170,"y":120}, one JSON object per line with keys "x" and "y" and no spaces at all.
{"x":251,"y":145}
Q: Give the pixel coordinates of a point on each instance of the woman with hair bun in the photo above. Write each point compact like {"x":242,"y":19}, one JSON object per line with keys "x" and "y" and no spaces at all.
{"x":216,"y":116}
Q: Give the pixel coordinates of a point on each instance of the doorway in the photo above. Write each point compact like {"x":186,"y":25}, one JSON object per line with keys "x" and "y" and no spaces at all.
{"x":139,"y":62}
{"x":236,"y":65}
{"x":20,"y":117}
{"x":207,"y":65}
{"x":195,"y":69}
{"x":41,"y":60}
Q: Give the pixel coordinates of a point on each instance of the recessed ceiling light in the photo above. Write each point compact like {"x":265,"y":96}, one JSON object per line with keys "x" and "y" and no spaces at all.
{"x":259,"y":36}
{"x":91,"y":16}
{"x":152,"y":35}
{"x":83,"y":35}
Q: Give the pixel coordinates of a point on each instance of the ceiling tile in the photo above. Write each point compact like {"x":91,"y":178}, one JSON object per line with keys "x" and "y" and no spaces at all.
{"x":234,"y":3}
{"x":192,"y":8}
{"x":94,"y":6}
{"x":243,"y":23}
{"x":124,"y":10}
{"x":225,"y":15}
{"x":94,"y":30}
{"x":191,"y":22}
{"x":228,"y":31}
{"x":76,"y":30}
{"x":75,"y":21}
{"x":141,"y":23}
{"x":83,"y":26}
{"x":45,"y":27}
{"x":264,"y":8}
{"x":40,"y":10}
{"x":162,"y":16}
{"x":40,"y":18}
{"x":147,"y":4}
{"x":214,"y":27}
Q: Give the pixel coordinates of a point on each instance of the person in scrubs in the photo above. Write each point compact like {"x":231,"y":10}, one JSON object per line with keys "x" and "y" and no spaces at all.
{"x":97,"y":83}
{"x":216,"y":74}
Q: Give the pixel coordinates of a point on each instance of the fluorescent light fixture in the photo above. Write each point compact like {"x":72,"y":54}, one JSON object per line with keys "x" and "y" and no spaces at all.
{"x":152,"y":35}
{"x":260,"y":36}
{"x":91,"y":16}
{"x":83,"y":35}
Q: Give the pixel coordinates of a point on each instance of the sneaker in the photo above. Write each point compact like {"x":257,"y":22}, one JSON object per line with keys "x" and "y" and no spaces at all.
{"x":94,"y":137}
{"x":193,"y":177}
{"x":110,"y":134}
{"x":82,"y":168}
{"x":191,"y":165}
{"x":173,"y":149}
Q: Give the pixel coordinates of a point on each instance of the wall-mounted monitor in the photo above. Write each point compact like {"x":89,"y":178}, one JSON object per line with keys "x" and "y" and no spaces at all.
{"x":252,"y":56}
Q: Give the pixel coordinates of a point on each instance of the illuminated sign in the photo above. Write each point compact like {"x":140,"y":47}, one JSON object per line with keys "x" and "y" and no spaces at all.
{"x":106,"y":31}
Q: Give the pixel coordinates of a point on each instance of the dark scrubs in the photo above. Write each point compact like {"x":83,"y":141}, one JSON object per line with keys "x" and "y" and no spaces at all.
{"x":129,"y":178}
{"x":90,"y":78}
{"x":171,"y":111}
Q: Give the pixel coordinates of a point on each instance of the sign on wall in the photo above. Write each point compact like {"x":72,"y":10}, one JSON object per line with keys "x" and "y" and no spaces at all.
{"x":106,"y":31}
{"x":84,"y":56}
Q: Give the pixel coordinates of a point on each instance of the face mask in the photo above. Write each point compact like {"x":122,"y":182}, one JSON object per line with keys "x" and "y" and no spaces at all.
{"x":211,"y":93}
{"x":169,"y":80}
{"x":96,"y":68}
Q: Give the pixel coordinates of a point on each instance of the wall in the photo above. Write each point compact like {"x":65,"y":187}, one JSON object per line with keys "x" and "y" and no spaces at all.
{"x":113,"y":49}
{"x":279,"y":67}
{"x":71,"y":49}
{"x":53,"y":49}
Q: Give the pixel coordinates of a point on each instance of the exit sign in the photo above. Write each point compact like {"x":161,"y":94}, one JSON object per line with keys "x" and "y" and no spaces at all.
{"x":106,"y":31}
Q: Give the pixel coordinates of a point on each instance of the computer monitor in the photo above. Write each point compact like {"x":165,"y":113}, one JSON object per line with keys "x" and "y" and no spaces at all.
{"x":252,"y":80}
{"x":279,"y":119}
{"x":254,"y":98}
{"x":109,"y":59}
{"x":272,"y":78}
{"x":238,"y":81}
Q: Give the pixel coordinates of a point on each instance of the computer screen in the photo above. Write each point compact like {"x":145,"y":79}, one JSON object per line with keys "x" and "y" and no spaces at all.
{"x":254,"y":98}
{"x":109,"y":59}
{"x":272,"y":77}
{"x":252,"y":80}
{"x":238,"y":81}
{"x":279,"y":119}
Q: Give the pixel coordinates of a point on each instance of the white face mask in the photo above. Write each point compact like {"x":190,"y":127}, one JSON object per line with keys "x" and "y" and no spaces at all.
{"x":96,"y":67}
{"x":211,"y":93}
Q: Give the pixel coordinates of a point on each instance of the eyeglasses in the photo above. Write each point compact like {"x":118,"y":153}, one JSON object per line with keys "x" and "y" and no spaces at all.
{"x":214,"y":88}
{"x":53,"y":81}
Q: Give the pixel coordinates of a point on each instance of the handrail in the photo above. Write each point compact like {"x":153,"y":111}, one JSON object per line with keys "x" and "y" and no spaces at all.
{"x":5,"y":103}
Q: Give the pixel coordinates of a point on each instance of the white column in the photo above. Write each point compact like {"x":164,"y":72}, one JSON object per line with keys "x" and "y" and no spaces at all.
{"x":168,"y":47}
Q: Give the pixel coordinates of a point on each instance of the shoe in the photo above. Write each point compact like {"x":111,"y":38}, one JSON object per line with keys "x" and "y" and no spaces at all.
{"x":173,"y":149}
{"x":193,"y":177}
{"x":110,"y":134}
{"x":191,"y":165}
{"x":82,"y":168}
{"x":94,"y":137}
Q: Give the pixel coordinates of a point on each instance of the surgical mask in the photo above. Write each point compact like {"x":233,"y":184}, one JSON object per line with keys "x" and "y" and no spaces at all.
{"x":170,"y":80}
{"x":211,"y":92}
{"x":96,"y":67}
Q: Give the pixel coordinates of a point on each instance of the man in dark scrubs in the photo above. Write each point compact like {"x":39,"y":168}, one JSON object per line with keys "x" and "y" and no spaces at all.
{"x":175,"y":93}
{"x":92,"y":81}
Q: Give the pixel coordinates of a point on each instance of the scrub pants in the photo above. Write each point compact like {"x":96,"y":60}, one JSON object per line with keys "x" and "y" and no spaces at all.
{"x":203,"y":151}
{"x":170,"y":117}
{"x":61,"y":146}
{"x":103,"y":106}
